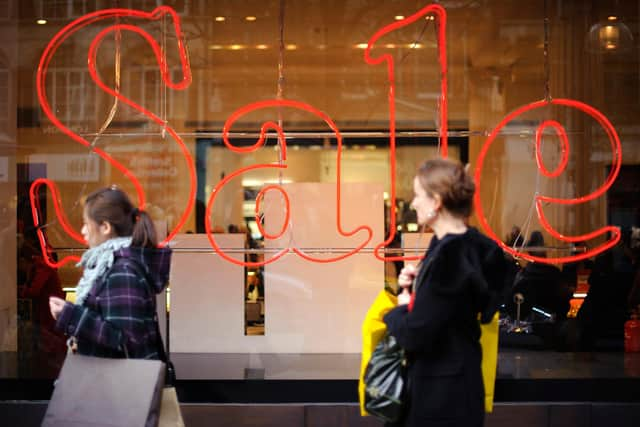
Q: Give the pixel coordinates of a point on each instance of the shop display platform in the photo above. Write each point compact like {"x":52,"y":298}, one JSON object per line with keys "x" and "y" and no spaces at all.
{"x":522,"y":375}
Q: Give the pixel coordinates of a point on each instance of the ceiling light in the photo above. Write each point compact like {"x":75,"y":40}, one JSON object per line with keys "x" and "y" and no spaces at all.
{"x":399,"y":17}
{"x":220,"y":18}
{"x":390,"y":46}
{"x":250,"y":18}
{"x":415,"y":45}
{"x":236,"y":46}
{"x":362,"y":45}
{"x":612,"y":18}
{"x":41,"y":21}
{"x":609,"y":36}
{"x":291,"y":47}
{"x":215,"y":46}
{"x":430,"y":18}
{"x":262,"y":46}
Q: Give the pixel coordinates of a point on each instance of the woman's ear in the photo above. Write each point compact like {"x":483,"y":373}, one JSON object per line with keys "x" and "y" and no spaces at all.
{"x":106,"y":229}
{"x":438,"y":201}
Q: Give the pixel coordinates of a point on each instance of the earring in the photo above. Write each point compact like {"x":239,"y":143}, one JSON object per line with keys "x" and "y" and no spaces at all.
{"x":432,"y":214}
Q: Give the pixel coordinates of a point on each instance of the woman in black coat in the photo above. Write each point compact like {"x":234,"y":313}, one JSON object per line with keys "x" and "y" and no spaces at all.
{"x":459,"y":282}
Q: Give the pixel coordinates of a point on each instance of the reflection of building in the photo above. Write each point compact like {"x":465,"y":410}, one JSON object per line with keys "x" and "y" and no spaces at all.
{"x":495,"y":64}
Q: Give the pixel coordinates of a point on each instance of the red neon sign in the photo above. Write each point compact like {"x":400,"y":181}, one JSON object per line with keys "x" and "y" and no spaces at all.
{"x":279,"y":103}
{"x":62,"y":218}
{"x":386,"y":58}
{"x":45,"y":60}
{"x":616,"y":162}
{"x":564,"y":148}
{"x":285,"y":223}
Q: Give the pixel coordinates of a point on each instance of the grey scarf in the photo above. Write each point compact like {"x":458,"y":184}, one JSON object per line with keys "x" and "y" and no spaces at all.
{"x":97,"y":261}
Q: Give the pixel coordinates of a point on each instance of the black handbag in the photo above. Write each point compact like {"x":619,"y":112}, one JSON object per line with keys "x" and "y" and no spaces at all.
{"x":384,"y":380}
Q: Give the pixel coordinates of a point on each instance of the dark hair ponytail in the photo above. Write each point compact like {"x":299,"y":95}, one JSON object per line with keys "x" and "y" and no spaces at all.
{"x":144,"y":231}
{"x":112,"y":205}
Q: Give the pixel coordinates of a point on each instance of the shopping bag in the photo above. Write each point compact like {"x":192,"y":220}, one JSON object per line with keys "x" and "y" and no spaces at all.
{"x":101,"y":392}
{"x":170,"y":415}
{"x":385,"y":379}
{"x":489,"y":344}
{"x":373,"y":330}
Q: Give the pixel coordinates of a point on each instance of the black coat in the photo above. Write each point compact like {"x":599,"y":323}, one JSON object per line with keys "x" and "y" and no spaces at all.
{"x":462,"y":277}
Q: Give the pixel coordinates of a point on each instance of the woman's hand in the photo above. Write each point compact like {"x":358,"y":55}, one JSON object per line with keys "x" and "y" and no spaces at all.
{"x":405,"y":281}
{"x":404,"y":297}
{"x":56,"y":305}
{"x":406,"y":276}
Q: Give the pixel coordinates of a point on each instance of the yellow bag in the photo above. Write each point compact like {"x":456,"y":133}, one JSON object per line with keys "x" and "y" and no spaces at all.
{"x":489,"y":344}
{"x":373,"y":329}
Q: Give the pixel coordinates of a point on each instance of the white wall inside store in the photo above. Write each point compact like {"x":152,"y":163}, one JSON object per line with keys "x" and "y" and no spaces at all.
{"x":309,"y":307}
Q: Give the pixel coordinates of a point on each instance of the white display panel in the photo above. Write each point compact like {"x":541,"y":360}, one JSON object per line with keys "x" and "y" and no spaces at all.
{"x":309,"y":307}
{"x":207,"y":295}
{"x":319,"y":307}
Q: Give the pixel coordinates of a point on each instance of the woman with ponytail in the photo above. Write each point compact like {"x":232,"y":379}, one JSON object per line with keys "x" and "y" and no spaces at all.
{"x":114,"y":314}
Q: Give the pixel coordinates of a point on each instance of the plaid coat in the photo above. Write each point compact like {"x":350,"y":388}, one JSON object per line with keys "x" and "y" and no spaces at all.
{"x":119,"y":311}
